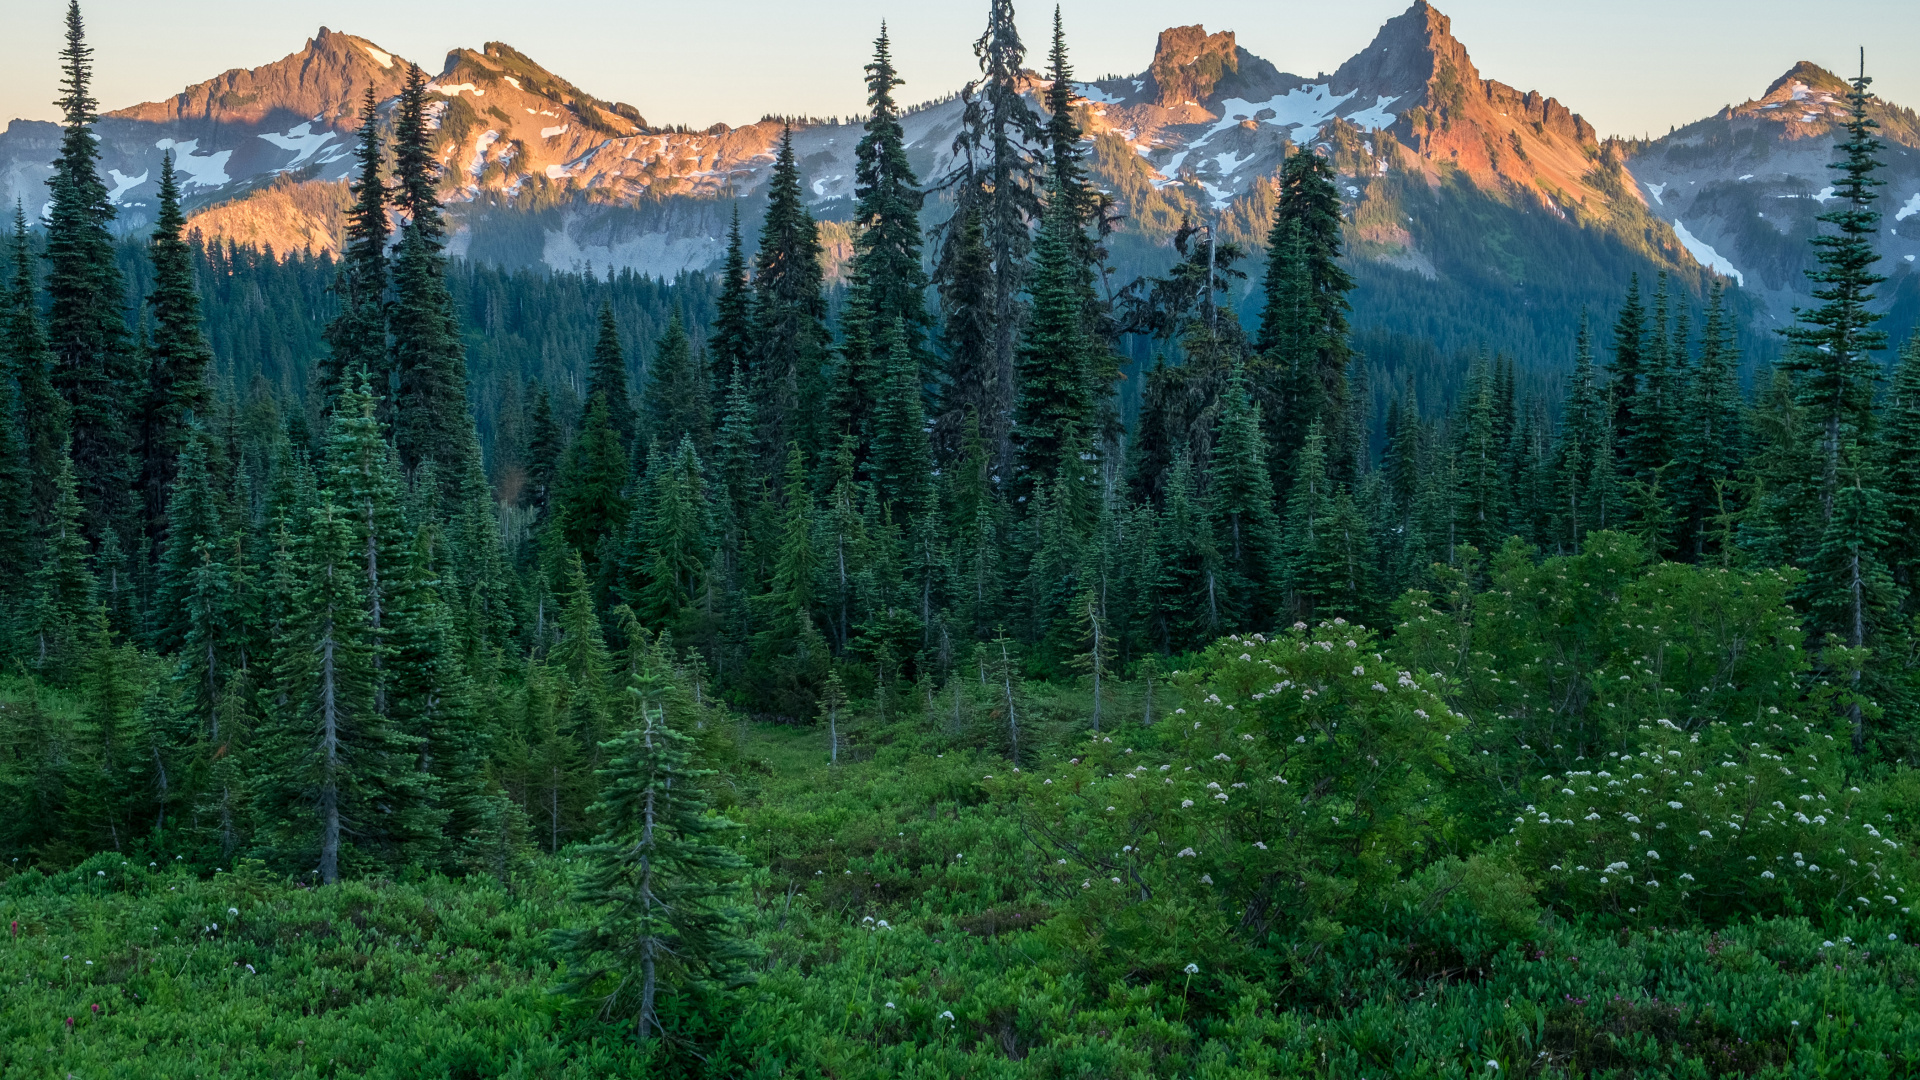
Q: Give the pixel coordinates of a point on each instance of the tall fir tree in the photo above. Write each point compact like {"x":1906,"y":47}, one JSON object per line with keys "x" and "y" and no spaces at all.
{"x":65,"y":592}
{"x":732,"y":338}
{"x":996,"y":190}
{"x":431,"y":421}
{"x":886,"y":266}
{"x":590,"y":501}
{"x":1831,"y":348}
{"x":1243,"y":500}
{"x":357,"y":336}
{"x":678,"y":400}
{"x":607,"y":380}
{"x":655,"y":880}
{"x":340,"y":791}
{"x":43,"y":412}
{"x":1304,"y":321}
{"x":789,"y":308}
{"x":94,"y":362}
{"x":178,"y":359}
{"x":1052,"y":404}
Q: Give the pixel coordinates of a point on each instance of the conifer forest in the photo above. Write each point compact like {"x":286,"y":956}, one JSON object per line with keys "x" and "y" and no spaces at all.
{"x":962,"y":659}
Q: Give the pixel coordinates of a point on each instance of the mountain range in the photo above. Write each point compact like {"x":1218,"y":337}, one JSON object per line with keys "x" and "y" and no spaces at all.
{"x":1480,"y":213}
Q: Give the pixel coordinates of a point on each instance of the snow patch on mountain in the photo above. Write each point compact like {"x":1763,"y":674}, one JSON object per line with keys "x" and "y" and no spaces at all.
{"x":1096,"y":95}
{"x":384,"y":59}
{"x":1907,"y":211}
{"x":1377,"y":116}
{"x":454,"y":90}
{"x":1704,"y":254}
{"x":123,"y":183}
{"x":302,"y":139}
{"x":1657,"y":190}
{"x":208,"y":171}
{"x":550,"y":132}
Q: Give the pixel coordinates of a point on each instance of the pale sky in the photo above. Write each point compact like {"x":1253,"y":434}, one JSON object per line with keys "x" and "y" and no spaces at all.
{"x":1628,"y":66}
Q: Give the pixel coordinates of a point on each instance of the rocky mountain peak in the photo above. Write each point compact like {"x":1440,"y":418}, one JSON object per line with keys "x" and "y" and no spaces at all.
{"x":1811,"y":77}
{"x":1411,"y":50}
{"x":1188,"y":62}
{"x":321,"y":82}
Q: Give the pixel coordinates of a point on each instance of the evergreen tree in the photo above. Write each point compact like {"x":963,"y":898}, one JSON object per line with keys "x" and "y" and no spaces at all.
{"x":789,"y":307}
{"x":1629,"y":346}
{"x":1242,"y":496}
{"x":1578,"y":505}
{"x":656,"y":879}
{"x":357,"y":336}
{"x":1709,"y":438}
{"x":65,"y":592}
{"x":362,"y":482}
{"x":196,"y":532}
{"x":1052,"y":369}
{"x":886,"y":267}
{"x":970,"y":388}
{"x":431,"y":422}
{"x":589,"y":500}
{"x":43,"y":413}
{"x":340,"y":787}
{"x":676,"y":538}
{"x":996,"y":190}
{"x":1194,"y":605}
{"x":93,"y":361}
{"x":544,"y":450}
{"x":1900,"y":457}
{"x":733,"y":324}
{"x":1832,"y":346}
{"x":16,"y":504}
{"x":901,"y":456}
{"x":177,"y":357}
{"x":1306,"y":301}
{"x":790,"y":656}
{"x":607,"y":380}
{"x":678,"y":402}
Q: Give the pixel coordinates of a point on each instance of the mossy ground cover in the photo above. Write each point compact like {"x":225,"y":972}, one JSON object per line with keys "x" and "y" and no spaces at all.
{"x":908,"y":928}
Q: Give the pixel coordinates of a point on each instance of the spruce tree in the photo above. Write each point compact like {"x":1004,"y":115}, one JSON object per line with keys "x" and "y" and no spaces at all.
{"x":886,"y":265}
{"x":1900,"y":458}
{"x":340,"y":786}
{"x":1629,"y":346}
{"x":65,"y":592}
{"x":1709,"y":440}
{"x":363,"y":483}
{"x":789,"y":308}
{"x":1577,"y":457}
{"x":676,"y":538}
{"x":589,"y":500}
{"x":733,"y":334}
{"x":357,"y":336}
{"x":1243,"y":501}
{"x":656,"y":878}
{"x":1052,"y":363}
{"x":16,"y":505}
{"x":677,"y":403}
{"x":43,"y":413}
{"x":1831,"y":348}
{"x":544,"y":450}
{"x":431,"y":420}
{"x":790,"y":656}
{"x":607,"y":380}
{"x":1305,"y":316}
{"x":196,"y":532}
{"x":996,"y":190}
{"x":94,"y":364}
{"x":178,"y":357}
{"x":902,"y":460}
{"x":970,"y":391}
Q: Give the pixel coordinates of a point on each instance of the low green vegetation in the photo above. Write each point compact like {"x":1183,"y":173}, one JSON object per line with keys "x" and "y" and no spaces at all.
{"x":1325,"y":852}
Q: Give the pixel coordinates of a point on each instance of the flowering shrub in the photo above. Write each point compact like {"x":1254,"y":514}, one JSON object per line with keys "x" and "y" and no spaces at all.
{"x":1297,"y":775}
{"x":1728,"y":821}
